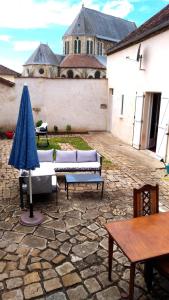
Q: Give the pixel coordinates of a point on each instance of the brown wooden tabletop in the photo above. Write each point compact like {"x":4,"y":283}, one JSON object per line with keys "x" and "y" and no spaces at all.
{"x":143,"y":237}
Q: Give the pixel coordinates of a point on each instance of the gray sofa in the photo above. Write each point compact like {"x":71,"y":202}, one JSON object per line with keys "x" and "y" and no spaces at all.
{"x":78,"y":161}
{"x":44,"y":179}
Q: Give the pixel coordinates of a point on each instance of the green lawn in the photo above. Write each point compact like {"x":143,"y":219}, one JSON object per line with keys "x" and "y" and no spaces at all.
{"x":76,"y":142}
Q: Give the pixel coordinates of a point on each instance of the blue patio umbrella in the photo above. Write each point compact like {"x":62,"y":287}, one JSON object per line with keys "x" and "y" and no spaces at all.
{"x":24,"y":151}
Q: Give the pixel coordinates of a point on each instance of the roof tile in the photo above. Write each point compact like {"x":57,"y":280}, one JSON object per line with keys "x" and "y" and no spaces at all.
{"x":151,"y":26}
{"x":81,"y":61}
{"x":6,"y":71}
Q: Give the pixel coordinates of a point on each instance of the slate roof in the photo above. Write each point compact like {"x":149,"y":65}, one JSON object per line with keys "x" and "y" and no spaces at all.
{"x":81,"y":61}
{"x":43,"y":55}
{"x":6,"y":71}
{"x":94,"y":23}
{"x":156,"y":24}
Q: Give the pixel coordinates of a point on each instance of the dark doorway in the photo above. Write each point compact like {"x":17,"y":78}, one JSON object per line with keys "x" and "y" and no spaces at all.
{"x":154,"y":119}
{"x":70,"y":74}
{"x":97,"y":74}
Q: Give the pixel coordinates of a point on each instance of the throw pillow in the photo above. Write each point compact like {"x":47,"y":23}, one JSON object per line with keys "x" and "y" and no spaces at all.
{"x":45,"y":155}
{"x":86,"y":155}
{"x":66,"y":156}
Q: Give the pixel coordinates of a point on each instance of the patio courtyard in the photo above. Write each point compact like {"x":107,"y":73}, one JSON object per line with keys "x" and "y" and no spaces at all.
{"x":66,"y":257}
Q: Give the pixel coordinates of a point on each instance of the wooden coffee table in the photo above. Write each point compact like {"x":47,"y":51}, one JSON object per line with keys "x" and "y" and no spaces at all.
{"x":83,"y":178}
{"x":140,"y":239}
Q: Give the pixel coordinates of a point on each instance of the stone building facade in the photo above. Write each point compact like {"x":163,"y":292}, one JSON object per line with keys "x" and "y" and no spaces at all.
{"x":85,"y":44}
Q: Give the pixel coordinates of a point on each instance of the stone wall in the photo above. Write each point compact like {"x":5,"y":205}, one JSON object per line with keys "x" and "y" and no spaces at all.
{"x":83,"y":39}
{"x":82,"y":103}
{"x":82,"y":72}
{"x":46,"y":71}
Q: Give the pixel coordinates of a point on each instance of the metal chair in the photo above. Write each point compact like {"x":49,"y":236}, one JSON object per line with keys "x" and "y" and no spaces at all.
{"x":42,"y":131}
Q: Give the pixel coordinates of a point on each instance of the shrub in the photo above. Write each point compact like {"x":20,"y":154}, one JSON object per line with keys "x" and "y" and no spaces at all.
{"x":68,"y":128}
{"x":55,"y":128}
{"x":39,"y":123}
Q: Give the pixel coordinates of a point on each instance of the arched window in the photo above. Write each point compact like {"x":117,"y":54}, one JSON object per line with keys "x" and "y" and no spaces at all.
{"x":97,"y":74}
{"x":63,"y":76}
{"x":77,"y":76}
{"x":66,"y":47}
{"x":70,"y":74}
{"x":89,"y":47}
{"x":90,"y":77}
{"x":77,"y":46}
{"x":99,"y":48}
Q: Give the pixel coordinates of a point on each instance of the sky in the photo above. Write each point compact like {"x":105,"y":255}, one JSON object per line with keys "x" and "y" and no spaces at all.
{"x":24,"y":24}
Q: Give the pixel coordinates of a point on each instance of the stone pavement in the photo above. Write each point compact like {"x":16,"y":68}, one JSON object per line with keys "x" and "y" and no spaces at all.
{"x":66,"y":256}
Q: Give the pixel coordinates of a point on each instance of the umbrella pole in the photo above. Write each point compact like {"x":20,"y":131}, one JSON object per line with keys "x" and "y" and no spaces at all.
{"x":30,"y":195}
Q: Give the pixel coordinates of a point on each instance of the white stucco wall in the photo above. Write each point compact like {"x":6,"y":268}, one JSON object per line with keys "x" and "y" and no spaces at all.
{"x":124,"y":77}
{"x":61,"y":102}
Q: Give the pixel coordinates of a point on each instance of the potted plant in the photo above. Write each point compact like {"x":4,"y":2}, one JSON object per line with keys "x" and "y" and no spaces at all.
{"x":9,"y":134}
{"x":68,"y":128}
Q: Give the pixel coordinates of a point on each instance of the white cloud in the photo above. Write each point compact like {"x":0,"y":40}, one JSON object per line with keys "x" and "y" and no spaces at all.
{"x":25,"y":45}
{"x":41,"y":14}
{"x":4,"y":38}
{"x":14,"y":64}
{"x":118,"y":8}
{"x":31,"y":14}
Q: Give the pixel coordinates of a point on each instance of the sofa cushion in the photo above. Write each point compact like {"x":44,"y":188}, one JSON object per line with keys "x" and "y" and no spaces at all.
{"x":45,"y":155}
{"x":65,"y":156}
{"x":86,"y":166}
{"x":86,"y":155}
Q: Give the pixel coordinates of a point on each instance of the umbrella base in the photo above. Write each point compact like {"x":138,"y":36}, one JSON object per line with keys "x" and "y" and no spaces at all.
{"x":35,"y":220}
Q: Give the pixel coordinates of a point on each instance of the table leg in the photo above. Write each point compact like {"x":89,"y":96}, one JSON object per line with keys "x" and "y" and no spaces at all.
{"x":97,"y":186}
{"x":148,"y":274}
{"x":102,"y":190}
{"x":131,"y":283}
{"x":67,"y":191}
{"x":111,"y":241}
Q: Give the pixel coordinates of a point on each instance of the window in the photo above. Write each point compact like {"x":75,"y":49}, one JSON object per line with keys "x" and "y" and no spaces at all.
{"x":122,"y":105}
{"x":67,"y":47}
{"x":89,"y":47}
{"x":41,"y":71}
{"x":77,"y":46}
{"x":99,"y":48}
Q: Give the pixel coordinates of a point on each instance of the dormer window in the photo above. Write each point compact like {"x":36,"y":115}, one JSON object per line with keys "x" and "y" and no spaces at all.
{"x":77,"y":46}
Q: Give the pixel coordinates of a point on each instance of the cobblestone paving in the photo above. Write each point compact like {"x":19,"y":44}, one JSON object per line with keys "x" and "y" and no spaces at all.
{"x":66,"y":256}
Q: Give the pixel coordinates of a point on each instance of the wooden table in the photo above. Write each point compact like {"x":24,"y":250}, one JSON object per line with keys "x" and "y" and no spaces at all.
{"x":140,"y":239}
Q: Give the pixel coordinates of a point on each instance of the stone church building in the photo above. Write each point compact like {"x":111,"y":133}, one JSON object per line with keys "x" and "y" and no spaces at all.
{"x":85,"y":44}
